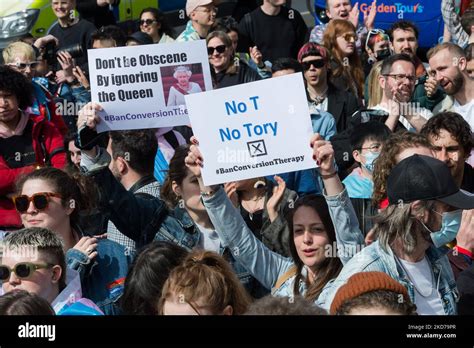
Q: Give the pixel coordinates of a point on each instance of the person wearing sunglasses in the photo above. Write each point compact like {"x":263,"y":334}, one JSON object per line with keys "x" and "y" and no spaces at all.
{"x":153,"y":22}
{"x":202,"y":16}
{"x":21,"y":57}
{"x":343,"y":9}
{"x":253,"y":58}
{"x":26,"y":141}
{"x":221,"y":57}
{"x":346,"y":69}
{"x":33,"y":260}
{"x":50,"y":198}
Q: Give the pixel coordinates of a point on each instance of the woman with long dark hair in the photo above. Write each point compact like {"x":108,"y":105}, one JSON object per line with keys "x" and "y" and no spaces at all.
{"x":315,"y":255}
{"x":153,"y":23}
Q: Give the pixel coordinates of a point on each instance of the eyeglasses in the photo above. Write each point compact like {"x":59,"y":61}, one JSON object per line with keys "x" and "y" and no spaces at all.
{"x":219,"y":49}
{"x":147,"y":21}
{"x":23,"y":66}
{"x":349,"y":37}
{"x":374,"y":32}
{"x":400,"y":77}
{"x":372,"y":148}
{"x":317,"y":63}
{"x":206,"y":10}
{"x":22,"y":270}
{"x":40,"y":201}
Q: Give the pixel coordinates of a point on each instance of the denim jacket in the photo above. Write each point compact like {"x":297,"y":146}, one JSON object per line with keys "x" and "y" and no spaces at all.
{"x":103,"y":279}
{"x":375,"y":258}
{"x":144,"y":220}
{"x":265,"y":265}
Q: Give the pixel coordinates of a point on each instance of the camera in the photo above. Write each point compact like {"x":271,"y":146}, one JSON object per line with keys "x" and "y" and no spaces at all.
{"x":50,"y":52}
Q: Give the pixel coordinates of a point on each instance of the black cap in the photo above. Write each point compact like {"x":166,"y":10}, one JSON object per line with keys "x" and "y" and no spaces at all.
{"x":425,"y":178}
{"x":141,"y":38}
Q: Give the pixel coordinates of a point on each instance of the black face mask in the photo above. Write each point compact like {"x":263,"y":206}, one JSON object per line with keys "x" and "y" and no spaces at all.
{"x":382,"y":54}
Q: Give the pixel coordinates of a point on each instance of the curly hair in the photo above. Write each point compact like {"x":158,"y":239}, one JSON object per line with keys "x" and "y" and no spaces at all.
{"x":455,"y":125}
{"x":395,"y":144}
{"x":15,"y":83}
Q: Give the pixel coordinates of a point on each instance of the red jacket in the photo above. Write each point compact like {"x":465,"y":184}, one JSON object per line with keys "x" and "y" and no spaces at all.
{"x":52,"y":142}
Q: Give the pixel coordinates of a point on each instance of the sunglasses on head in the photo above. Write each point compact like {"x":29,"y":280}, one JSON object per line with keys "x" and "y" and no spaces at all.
{"x":147,"y":21}
{"x":40,"y":201}
{"x":219,"y":49}
{"x":317,"y":63}
{"x":373,"y":32}
{"x":23,"y":66}
{"x":22,"y":270}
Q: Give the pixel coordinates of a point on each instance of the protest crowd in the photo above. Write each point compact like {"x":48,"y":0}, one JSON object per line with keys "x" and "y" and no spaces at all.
{"x":117,"y":222}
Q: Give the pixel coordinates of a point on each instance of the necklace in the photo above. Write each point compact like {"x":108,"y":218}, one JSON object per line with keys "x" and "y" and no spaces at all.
{"x":318,"y":99}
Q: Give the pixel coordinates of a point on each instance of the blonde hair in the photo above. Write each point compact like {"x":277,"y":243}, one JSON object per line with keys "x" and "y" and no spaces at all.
{"x":17,"y":49}
{"x":374,"y":89}
{"x":206,"y":277}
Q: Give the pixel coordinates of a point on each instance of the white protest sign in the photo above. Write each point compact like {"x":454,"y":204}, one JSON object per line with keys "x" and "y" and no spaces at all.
{"x":253,"y":130}
{"x":144,"y":86}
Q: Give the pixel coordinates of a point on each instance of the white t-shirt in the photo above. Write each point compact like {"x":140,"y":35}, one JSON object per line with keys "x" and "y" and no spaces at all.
{"x":466,"y":111}
{"x":427,"y":299}
{"x":209,"y":239}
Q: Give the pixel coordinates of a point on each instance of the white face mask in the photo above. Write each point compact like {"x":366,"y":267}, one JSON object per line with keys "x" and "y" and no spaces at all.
{"x":451,"y":221}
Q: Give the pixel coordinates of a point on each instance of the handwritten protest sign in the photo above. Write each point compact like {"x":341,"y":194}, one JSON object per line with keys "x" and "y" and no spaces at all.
{"x":253,"y":130}
{"x":144,"y":86}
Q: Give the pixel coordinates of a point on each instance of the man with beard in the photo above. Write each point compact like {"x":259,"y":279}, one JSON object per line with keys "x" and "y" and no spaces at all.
{"x":451,"y":139}
{"x":404,"y":39}
{"x":422,"y":198}
{"x":448,"y":66}
{"x":132,"y":156}
{"x":397,"y":80}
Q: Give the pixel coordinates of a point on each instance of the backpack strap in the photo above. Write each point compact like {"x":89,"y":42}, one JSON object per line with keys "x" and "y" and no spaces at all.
{"x":284,"y":277}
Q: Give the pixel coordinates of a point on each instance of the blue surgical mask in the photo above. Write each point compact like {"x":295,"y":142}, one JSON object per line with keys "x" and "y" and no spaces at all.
{"x":370,"y":158}
{"x":450,"y":223}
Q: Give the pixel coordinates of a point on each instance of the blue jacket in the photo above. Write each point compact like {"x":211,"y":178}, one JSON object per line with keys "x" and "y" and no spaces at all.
{"x":102,"y":279}
{"x":264,"y":264}
{"x":149,"y":219}
{"x":375,"y":258}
